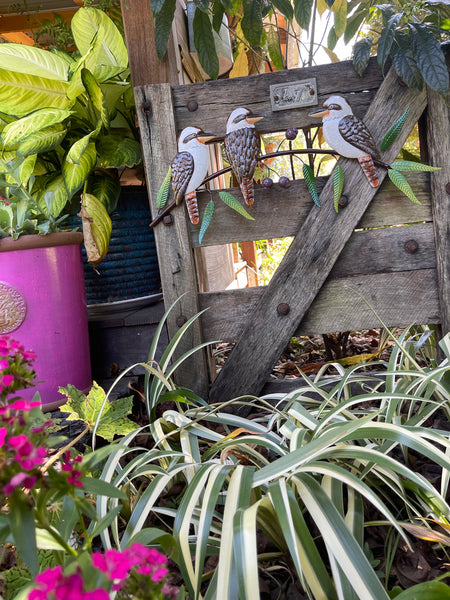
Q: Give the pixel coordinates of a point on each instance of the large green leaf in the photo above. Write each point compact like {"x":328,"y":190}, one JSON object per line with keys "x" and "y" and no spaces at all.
{"x":273,"y":45}
{"x":284,"y":7}
{"x":387,"y":39}
{"x":117,"y":151}
{"x":405,"y":63}
{"x":97,"y":227}
{"x":361,"y":55}
{"x":106,"y":189}
{"x":302,"y":12}
{"x":14,"y":132}
{"x":163,"y":25}
{"x":204,"y":43}
{"x":427,"y":590}
{"x":429,"y":58}
{"x":53,"y":194}
{"x":21,"y":94}
{"x":42,"y":141}
{"x":340,"y":19}
{"x":85,"y":24}
{"x":251,"y":22}
{"x":29,"y":60}
{"x":95,"y":94}
{"x":76,"y":174}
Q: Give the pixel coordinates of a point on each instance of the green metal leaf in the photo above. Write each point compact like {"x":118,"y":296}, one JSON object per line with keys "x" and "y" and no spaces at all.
{"x":204,"y":43}
{"x":95,"y":95}
{"x":361,"y":55}
{"x":429,"y":58}
{"x":400,"y":181}
{"x":163,"y":192}
{"x":393,"y":132}
{"x":75,"y":174}
{"x":163,"y":25}
{"x":14,"y":132}
{"x":207,"y":218}
{"x":233,"y":203}
{"x":42,"y":141}
{"x":302,"y":12}
{"x":30,"y":60}
{"x":407,"y":165}
{"x":387,"y":39}
{"x":251,"y":22}
{"x":310,"y":181}
{"x":117,"y":151}
{"x":338,"y":184}
{"x":21,"y":94}
{"x":273,"y":45}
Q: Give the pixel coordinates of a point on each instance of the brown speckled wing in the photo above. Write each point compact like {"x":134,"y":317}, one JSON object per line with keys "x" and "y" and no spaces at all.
{"x":354,"y":131}
{"x":242,"y":148}
{"x":182,"y":169}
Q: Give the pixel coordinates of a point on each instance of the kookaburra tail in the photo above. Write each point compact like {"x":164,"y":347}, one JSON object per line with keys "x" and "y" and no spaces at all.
{"x":189,"y":168}
{"x":243,"y":145}
{"x":348,"y":135}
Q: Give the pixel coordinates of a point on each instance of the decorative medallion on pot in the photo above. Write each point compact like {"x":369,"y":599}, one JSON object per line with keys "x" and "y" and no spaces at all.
{"x":13,"y":308}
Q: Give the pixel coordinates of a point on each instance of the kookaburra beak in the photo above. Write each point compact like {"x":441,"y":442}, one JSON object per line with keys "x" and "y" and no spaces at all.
{"x":206,"y":138}
{"x":320,"y":112}
{"x":254,"y":118}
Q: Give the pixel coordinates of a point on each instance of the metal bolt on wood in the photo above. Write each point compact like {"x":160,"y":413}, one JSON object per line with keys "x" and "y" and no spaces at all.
{"x":192,"y":106}
{"x":168,"y":220}
{"x":283,"y":309}
{"x":181,"y":320}
{"x":447,"y":188}
{"x":343,"y":201}
{"x":411,"y":246}
{"x":146,"y":108}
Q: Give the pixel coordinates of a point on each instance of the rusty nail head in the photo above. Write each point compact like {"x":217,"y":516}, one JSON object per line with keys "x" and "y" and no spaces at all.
{"x":283,"y":309}
{"x":447,"y":188}
{"x":312,"y":92}
{"x":343,"y":201}
{"x":192,"y":106}
{"x":411,"y":246}
{"x":168,"y":220}
{"x":181,"y":320}
{"x":146,"y":108}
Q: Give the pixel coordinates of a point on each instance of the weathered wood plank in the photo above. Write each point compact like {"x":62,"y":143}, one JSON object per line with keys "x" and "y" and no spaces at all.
{"x":399,"y":299}
{"x":312,"y":254}
{"x":439,"y":153}
{"x":280,"y":213}
{"x":215,"y":102}
{"x":176,"y":262}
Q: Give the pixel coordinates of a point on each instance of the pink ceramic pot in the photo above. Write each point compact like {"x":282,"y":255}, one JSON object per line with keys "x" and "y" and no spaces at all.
{"x":43,"y":306}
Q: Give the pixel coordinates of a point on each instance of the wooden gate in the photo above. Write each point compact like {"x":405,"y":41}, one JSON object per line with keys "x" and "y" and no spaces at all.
{"x":338,"y":269}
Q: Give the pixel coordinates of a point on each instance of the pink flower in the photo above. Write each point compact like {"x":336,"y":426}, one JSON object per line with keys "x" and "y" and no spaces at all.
{"x":3,"y":432}
{"x":21,"y":404}
{"x":20,"y":479}
{"x":4,"y":364}
{"x":113,"y":563}
{"x":75,"y":475}
{"x":7,"y":380}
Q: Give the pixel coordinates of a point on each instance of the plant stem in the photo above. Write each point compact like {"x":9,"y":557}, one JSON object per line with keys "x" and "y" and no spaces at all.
{"x":55,"y":457}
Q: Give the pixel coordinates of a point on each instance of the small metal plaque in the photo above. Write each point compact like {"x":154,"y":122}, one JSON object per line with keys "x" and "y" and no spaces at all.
{"x":295,"y":94}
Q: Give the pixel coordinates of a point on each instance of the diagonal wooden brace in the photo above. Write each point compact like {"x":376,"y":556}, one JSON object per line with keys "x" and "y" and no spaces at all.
{"x":312,"y":253}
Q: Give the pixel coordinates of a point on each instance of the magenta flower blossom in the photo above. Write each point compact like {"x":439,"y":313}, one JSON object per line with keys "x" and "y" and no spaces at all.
{"x":3,"y":432}
{"x":26,"y":454}
{"x":74,"y":475}
{"x":20,"y":404}
{"x":19,"y":480}
{"x":52,"y":584}
{"x":7,"y":380}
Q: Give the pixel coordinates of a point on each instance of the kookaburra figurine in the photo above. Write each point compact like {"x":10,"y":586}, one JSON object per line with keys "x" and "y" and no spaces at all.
{"x":189,"y":168}
{"x":242,"y":146}
{"x":348,"y":135}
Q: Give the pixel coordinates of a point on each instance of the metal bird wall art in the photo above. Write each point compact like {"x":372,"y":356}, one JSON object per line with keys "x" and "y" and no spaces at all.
{"x":189,"y":168}
{"x":242,"y":146}
{"x":348,"y":135}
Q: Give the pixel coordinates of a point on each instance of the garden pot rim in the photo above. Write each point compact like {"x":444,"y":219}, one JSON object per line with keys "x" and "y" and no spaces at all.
{"x":24,"y":242}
